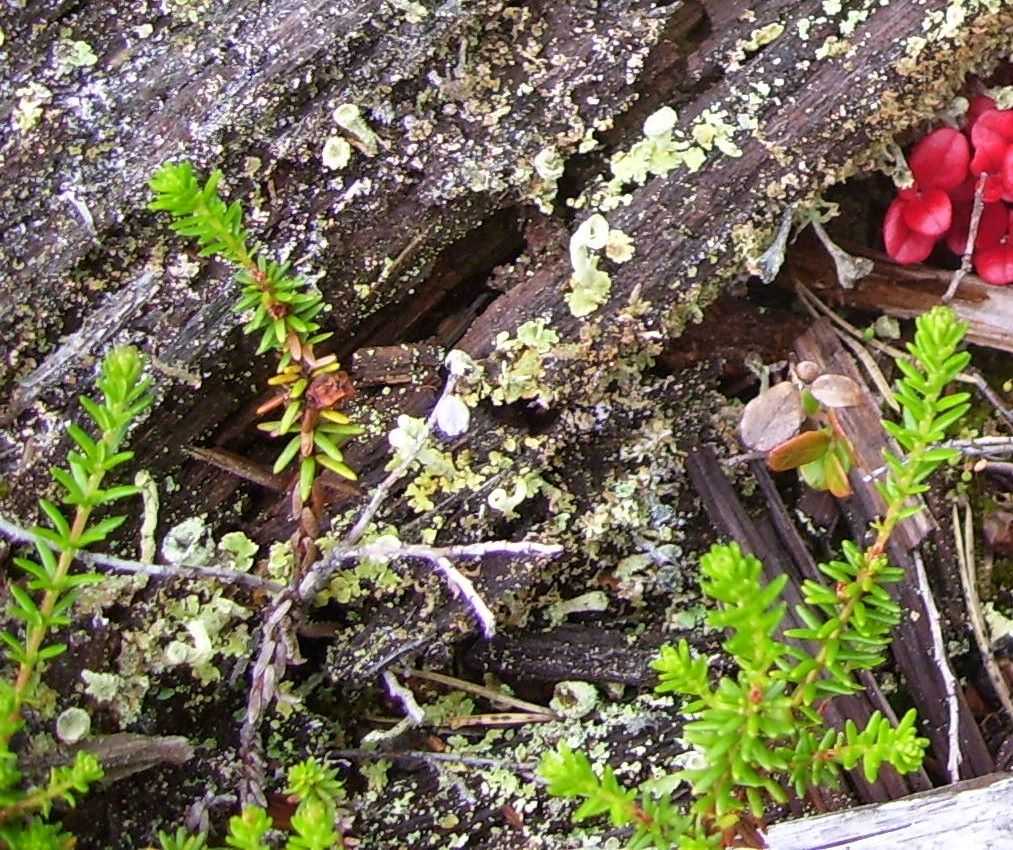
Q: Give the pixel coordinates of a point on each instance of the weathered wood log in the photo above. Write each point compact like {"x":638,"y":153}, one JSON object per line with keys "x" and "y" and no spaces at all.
{"x":908,"y":291}
{"x":463,"y":96}
{"x":972,"y":814}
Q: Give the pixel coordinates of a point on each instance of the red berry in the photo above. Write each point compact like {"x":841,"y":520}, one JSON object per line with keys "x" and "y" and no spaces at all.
{"x":903,"y":244}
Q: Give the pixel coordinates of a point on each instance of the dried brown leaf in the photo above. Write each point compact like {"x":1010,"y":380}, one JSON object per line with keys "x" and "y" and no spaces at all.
{"x":836,"y":391}
{"x":772,"y":418}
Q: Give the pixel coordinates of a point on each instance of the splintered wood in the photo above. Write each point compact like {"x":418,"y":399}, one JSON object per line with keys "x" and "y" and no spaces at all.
{"x":973,"y":815}
{"x":908,"y":291}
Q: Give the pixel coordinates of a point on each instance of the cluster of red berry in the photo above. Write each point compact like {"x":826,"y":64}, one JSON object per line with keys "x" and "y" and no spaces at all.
{"x":947,"y":166}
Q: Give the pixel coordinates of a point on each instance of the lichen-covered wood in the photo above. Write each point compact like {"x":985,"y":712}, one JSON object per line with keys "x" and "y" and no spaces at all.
{"x":490,"y":126}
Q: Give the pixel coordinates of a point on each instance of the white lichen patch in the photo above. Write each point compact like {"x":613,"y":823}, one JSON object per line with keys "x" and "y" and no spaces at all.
{"x":336,"y":153}
{"x":574,"y":700}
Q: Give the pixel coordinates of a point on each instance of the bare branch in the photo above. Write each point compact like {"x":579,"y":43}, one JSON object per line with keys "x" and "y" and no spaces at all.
{"x":329,"y":564}
{"x":110,"y":562}
{"x":972,"y":237}
{"x":953,"y":757}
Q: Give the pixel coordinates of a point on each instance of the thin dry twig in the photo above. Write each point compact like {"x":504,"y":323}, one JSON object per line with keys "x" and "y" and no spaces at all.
{"x":953,"y":757}
{"x":403,"y":694}
{"x":419,"y":755}
{"x":479,"y":690}
{"x":441,"y":557}
{"x":110,"y":562}
{"x":969,"y":582}
{"x":500,"y":720}
{"x":984,"y":447}
{"x":854,"y":339}
{"x":973,"y":376}
{"x":277,"y":651}
{"x":972,"y":237}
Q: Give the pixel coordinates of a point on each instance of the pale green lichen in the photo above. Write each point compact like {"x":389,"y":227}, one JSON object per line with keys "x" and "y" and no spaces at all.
{"x":336,"y":153}
{"x":123,"y":694}
{"x":280,"y":562}
{"x":375,"y":774}
{"x":619,"y":248}
{"x":852,"y":21}
{"x":350,"y":584}
{"x":527,"y":484}
{"x":833,"y":46}
{"x":149,"y":523}
{"x":758,"y":38}
{"x":589,"y":286}
{"x":519,"y":364}
{"x":711,"y":130}
{"x":594,"y":600}
{"x":446,"y":709}
{"x":28,"y":112}
{"x":70,"y":54}
{"x":238,"y":549}
{"x":101,"y":686}
{"x":548,"y":165}
{"x":441,"y":471}
{"x":349,"y":118}
{"x":414,"y":12}
{"x":656,"y":154}
{"x":187,"y":10}
{"x":212,"y":630}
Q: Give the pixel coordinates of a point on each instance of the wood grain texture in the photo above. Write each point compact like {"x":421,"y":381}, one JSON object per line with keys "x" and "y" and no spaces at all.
{"x":975,"y":814}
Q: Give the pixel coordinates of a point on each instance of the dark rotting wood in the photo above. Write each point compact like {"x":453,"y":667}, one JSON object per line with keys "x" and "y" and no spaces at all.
{"x":566,"y":653}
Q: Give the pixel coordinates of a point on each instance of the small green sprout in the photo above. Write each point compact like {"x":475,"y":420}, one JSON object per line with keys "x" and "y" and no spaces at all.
{"x":284,"y":311}
{"x":43,"y":604}
{"x":313,"y":825}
